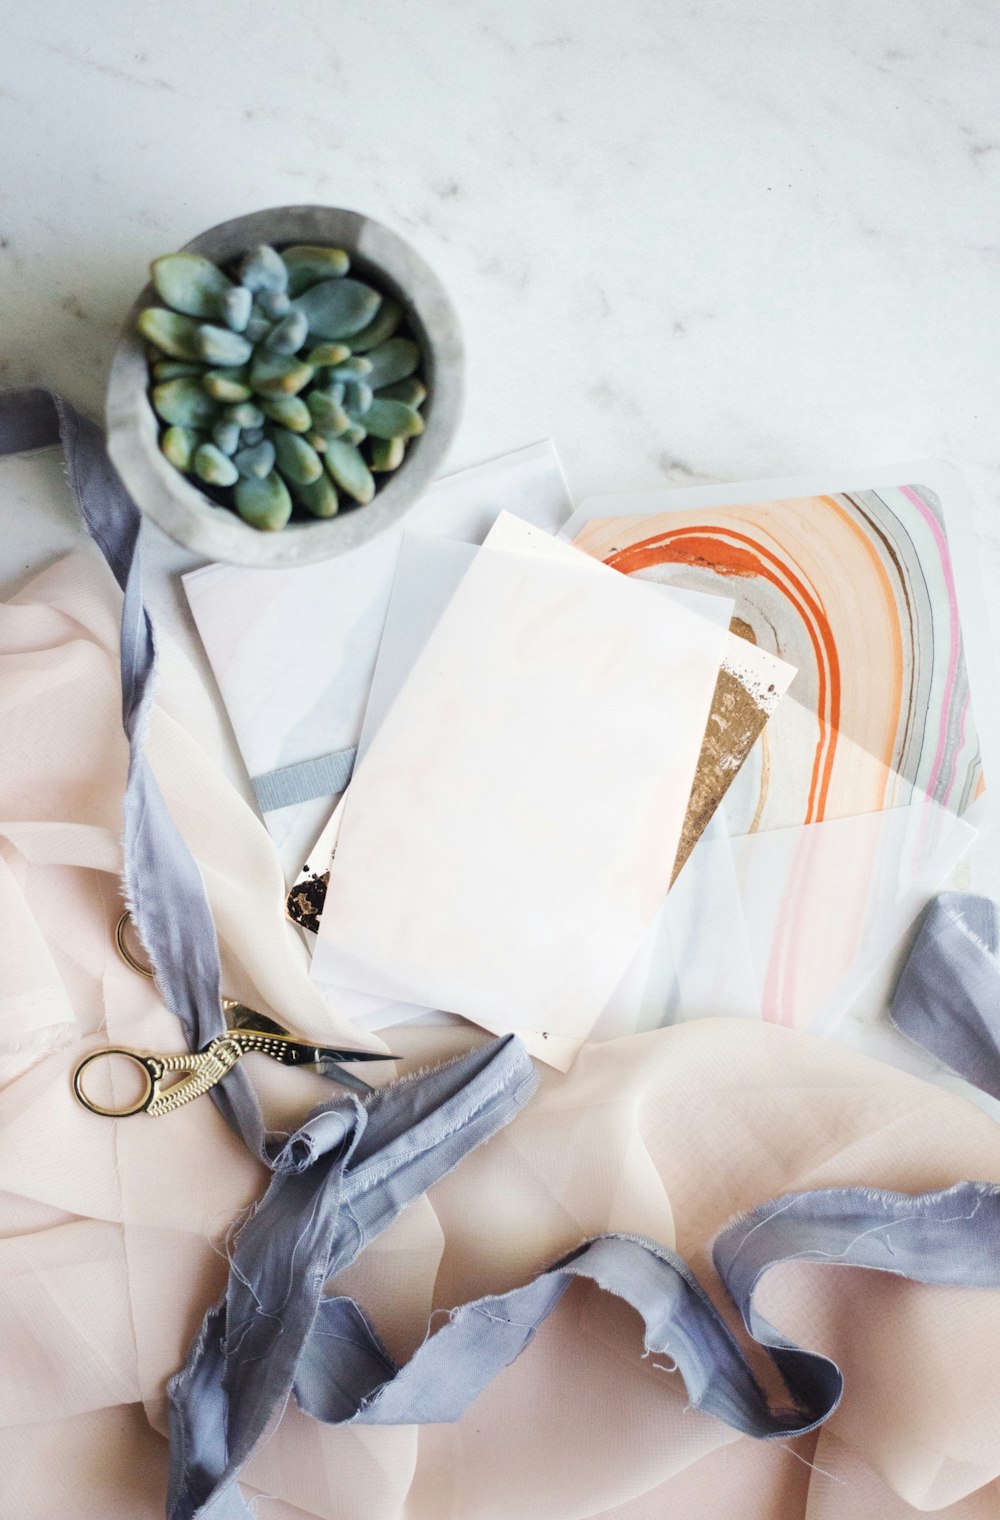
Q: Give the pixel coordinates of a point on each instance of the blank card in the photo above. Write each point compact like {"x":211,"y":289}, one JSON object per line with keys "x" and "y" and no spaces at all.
{"x":509,"y":830}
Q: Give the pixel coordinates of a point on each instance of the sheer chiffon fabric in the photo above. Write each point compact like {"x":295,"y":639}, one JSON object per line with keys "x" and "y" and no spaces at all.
{"x":114,"y":1235}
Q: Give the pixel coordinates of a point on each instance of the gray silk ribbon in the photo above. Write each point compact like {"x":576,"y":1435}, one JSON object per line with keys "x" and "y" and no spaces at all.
{"x":353,"y":1165}
{"x":304,"y":781}
{"x":948,"y":996}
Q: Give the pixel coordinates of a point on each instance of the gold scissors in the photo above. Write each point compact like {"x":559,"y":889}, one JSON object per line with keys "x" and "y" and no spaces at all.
{"x":249,"y":1031}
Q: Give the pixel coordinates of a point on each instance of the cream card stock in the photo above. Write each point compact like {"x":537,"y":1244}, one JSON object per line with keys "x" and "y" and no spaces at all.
{"x":509,"y":831}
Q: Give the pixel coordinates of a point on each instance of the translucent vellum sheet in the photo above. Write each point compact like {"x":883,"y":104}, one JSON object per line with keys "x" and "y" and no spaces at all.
{"x":807,"y":915}
{"x":684,"y":975}
{"x":824,"y":904}
{"x":510,"y":828}
{"x":678,"y":973}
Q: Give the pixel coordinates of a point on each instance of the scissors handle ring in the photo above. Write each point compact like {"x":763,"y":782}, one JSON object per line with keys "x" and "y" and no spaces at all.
{"x":121,"y":944}
{"x":150,"y":1075}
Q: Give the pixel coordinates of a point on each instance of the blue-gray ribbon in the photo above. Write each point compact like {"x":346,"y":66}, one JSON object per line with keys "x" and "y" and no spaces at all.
{"x":948,"y":996}
{"x":304,"y":781}
{"x":353,"y":1165}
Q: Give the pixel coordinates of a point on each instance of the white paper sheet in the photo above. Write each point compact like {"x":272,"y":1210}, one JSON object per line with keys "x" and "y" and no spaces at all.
{"x":519,"y":803}
{"x":669,"y":979}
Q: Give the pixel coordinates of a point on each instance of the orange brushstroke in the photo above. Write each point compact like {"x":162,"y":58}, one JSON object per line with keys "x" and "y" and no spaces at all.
{"x":731,"y":553}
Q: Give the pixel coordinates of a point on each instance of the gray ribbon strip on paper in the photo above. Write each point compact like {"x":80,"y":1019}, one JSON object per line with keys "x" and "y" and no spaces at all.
{"x":305,"y":781}
{"x":352,"y":1166}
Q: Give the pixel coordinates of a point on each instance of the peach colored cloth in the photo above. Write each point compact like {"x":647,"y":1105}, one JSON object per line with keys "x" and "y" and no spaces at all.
{"x":112,"y":1235}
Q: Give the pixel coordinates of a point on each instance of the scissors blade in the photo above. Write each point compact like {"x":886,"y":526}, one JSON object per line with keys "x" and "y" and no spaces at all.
{"x":289,"y":1049}
{"x":300,"y":1053}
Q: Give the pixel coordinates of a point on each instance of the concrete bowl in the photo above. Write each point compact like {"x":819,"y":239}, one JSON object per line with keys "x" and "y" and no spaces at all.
{"x":188,"y":515}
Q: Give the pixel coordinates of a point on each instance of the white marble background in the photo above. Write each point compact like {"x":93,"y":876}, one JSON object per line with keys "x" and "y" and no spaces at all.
{"x":689,"y":241}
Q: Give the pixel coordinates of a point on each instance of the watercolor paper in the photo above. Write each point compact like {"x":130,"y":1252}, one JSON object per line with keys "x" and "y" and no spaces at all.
{"x":516,"y":812}
{"x":867,"y":784}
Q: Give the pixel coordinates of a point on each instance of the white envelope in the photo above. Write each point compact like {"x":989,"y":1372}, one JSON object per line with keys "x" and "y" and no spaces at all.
{"x":293,"y":651}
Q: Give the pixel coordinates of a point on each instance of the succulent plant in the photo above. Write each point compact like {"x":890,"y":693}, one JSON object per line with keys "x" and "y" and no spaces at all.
{"x":282,"y":383}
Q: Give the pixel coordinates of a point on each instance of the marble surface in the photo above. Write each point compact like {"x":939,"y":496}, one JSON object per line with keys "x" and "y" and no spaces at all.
{"x":688,"y":241}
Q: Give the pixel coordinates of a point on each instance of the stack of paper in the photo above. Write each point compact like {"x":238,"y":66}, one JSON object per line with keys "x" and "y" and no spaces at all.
{"x":517,"y":812}
{"x":547,"y":742}
{"x":293,"y":651}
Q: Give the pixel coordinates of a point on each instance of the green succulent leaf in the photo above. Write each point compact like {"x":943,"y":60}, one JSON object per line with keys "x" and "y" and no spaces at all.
{"x":191,"y":284}
{"x":264,"y":504}
{"x":412,"y":391}
{"x":387,"y":453}
{"x":226,"y":436}
{"x":257,"y":461}
{"x":219,"y":346}
{"x":354,"y":368}
{"x":327,"y":415}
{"x":263,"y":270}
{"x":356,"y":365}
{"x":290,"y":411}
{"x":279,"y":374}
{"x":296,"y":459}
{"x":358,"y":397}
{"x":258,"y":327}
{"x":388,"y":318}
{"x":173,"y":335}
{"x":237,"y":305}
{"x":174,"y":369}
{"x":288,"y":335}
{"x":347,"y":468}
{"x":395,"y":360}
{"x":230,"y":385}
{"x":184,"y":403}
{"x":355,"y":434}
{"x":318,"y":441}
{"x":307,"y":265}
{"x":327,"y":354}
{"x":317,"y":496}
{"x":213,"y":467}
{"x":274,"y":303}
{"x":179,"y":444}
{"x":337,"y":308}
{"x":393,"y":419}
{"x":251,"y":436}
{"x":244,"y":414}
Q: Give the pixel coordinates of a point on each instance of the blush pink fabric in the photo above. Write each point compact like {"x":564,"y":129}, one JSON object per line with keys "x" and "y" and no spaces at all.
{"x":113,"y":1234}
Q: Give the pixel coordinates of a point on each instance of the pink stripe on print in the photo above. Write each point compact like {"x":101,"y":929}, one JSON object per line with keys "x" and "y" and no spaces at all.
{"x":954,"y":631}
